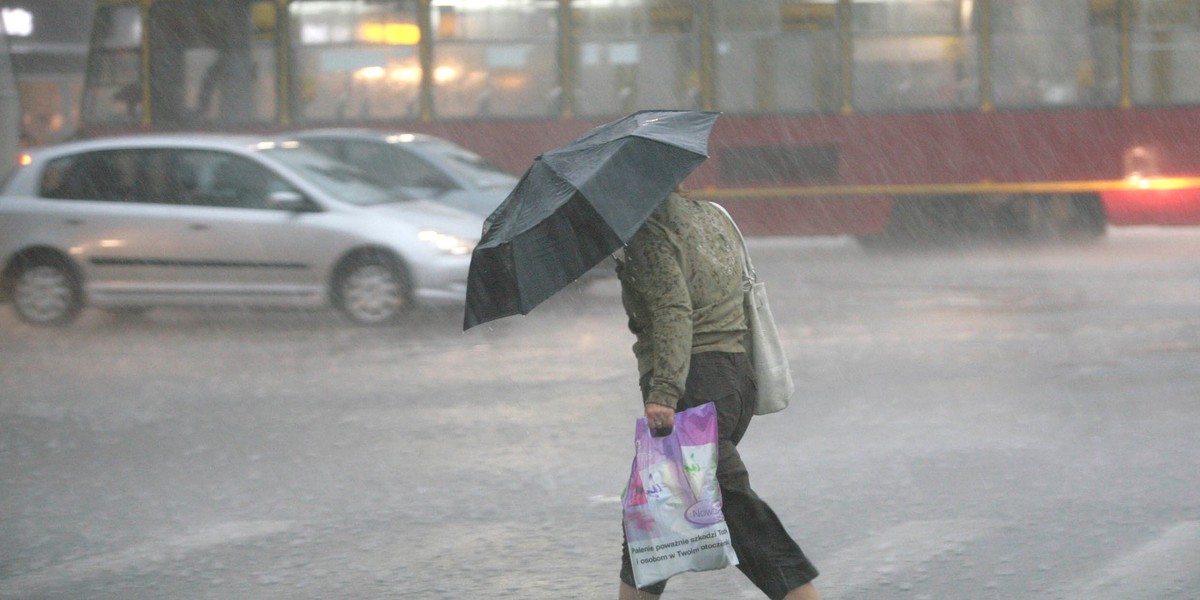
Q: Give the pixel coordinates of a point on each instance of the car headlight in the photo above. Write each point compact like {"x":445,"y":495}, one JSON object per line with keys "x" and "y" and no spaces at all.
{"x":446,"y":243}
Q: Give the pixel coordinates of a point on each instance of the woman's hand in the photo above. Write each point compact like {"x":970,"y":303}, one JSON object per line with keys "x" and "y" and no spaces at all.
{"x":660,"y":417}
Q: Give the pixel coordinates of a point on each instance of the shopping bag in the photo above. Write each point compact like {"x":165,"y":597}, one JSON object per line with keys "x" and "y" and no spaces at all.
{"x":672,"y":504}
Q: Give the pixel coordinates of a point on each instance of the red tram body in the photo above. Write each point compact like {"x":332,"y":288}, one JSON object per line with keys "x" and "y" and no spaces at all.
{"x":906,"y":119}
{"x":1144,"y":164}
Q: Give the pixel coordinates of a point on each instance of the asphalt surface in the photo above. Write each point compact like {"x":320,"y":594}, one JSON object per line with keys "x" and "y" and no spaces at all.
{"x":971,"y":423}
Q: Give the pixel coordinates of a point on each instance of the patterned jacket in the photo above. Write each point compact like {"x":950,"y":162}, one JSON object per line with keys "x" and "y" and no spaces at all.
{"x":681,"y":285}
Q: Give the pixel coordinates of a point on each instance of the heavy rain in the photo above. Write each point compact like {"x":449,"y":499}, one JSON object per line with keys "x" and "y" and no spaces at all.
{"x":995,"y":355}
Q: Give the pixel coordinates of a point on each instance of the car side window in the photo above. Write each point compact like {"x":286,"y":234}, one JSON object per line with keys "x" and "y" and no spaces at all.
{"x":231,"y":181}
{"x":166,"y":178}
{"x":106,"y":176}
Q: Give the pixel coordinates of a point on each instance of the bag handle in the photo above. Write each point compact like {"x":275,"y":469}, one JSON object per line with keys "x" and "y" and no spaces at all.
{"x":749,"y":275}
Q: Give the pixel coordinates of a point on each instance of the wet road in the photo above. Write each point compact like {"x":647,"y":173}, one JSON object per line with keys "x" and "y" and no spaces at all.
{"x":972,"y":423}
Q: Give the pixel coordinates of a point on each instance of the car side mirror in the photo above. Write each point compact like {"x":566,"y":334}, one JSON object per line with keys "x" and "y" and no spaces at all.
{"x":287,"y":200}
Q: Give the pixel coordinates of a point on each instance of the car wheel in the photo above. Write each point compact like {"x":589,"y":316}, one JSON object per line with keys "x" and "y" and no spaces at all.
{"x":372,"y":290}
{"x":47,"y":293}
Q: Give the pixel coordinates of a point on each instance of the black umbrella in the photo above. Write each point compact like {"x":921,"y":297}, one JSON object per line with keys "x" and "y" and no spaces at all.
{"x":576,"y":205}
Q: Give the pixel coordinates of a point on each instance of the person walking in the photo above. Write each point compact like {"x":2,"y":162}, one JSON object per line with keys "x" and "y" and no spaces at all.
{"x":681,"y":286}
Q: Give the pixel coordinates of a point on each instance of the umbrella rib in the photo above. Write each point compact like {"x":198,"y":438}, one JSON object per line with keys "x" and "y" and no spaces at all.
{"x":665,"y":143}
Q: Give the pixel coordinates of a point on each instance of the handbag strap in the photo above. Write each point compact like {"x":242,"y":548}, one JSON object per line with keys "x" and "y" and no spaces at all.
{"x":749,"y":275}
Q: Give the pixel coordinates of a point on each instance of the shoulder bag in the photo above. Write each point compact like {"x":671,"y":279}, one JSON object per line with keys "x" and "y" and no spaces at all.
{"x":771,"y":368}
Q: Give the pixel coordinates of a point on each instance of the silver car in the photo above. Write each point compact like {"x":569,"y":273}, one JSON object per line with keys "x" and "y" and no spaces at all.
{"x":422,"y":165}
{"x":427,"y":166}
{"x":150,"y":220}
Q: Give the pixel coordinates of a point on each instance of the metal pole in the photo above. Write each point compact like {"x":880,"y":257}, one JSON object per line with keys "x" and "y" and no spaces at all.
{"x":1126,"y":25}
{"x":846,"y":51}
{"x":985,"y":55}
{"x":425,"y":58}
{"x":283,"y":80}
{"x":708,"y":88}
{"x":566,"y":60}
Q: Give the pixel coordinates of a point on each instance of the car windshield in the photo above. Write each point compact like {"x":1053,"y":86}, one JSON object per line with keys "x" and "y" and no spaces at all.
{"x":342,"y":181}
{"x":470,"y":166}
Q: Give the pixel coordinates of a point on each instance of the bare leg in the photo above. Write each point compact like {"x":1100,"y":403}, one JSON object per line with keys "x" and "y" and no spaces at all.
{"x":805,"y":592}
{"x":631,"y":593}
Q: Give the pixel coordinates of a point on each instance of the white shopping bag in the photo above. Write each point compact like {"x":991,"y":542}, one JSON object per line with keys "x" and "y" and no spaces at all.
{"x":672,"y":505}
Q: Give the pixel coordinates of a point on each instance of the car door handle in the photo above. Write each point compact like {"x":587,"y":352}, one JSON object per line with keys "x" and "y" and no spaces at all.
{"x":73,"y":221}
{"x":198,"y":227}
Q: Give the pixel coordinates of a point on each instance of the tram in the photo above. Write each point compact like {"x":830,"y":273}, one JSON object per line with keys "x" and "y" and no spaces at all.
{"x":882,"y":119}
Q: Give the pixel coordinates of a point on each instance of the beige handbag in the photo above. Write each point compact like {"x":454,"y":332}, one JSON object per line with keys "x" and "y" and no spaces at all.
{"x":771,"y":368}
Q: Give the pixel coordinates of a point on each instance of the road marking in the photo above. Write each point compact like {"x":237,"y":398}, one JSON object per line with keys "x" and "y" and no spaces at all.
{"x":896,"y":553}
{"x":141,"y":554}
{"x":1162,"y":568}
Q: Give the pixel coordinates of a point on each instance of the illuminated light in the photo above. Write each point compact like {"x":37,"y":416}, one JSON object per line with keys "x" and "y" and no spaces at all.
{"x":371,"y":32}
{"x":406,"y":74}
{"x":274,"y":145}
{"x":314,"y":34}
{"x":25,"y":160}
{"x":370,"y":73}
{"x":1141,"y":182}
{"x":112,"y":243}
{"x":402,"y":34}
{"x":446,"y":243}
{"x":445,"y":74}
{"x":392,"y":34}
{"x":402,"y":138}
{"x":18,"y":22}
{"x":1138,"y":181}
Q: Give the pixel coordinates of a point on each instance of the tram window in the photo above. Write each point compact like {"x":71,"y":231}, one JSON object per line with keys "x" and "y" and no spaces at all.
{"x":1062,"y":53}
{"x":919,"y":55}
{"x":774,"y":56}
{"x":633,"y":56}
{"x":1166,"y":50}
{"x":494,"y":59}
{"x":113,"y":92}
{"x":354,"y":60}
{"x":211,"y":64}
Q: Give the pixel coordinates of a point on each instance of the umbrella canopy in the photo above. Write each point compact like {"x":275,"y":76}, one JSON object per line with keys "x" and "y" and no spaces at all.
{"x":578,"y":204}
